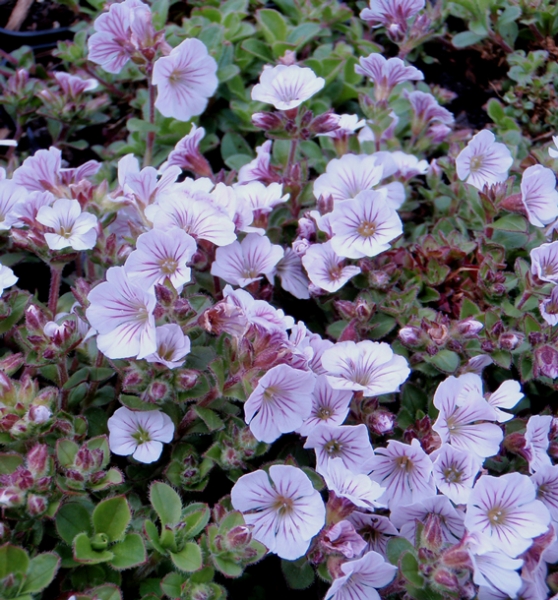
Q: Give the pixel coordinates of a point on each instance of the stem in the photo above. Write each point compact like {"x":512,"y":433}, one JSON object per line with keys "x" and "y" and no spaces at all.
{"x":54,"y":292}
{"x":109,"y":86}
{"x":292,"y":156}
{"x":63,"y":376}
{"x":524,"y":298}
{"x":150,"y":134}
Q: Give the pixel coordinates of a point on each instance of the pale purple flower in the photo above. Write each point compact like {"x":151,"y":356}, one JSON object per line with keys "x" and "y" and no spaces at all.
{"x":186,"y":153}
{"x":121,"y":311}
{"x":74,"y":86}
{"x":351,"y":443}
{"x":71,"y":227}
{"x":281,"y":402}
{"x":364,"y":226}
{"x":426,"y":110}
{"x":405,"y":518}
{"x":7,"y":278}
{"x":385,"y":74}
{"x":408,"y":165}
{"x":454,"y":472}
{"x":374,"y":529}
{"x":258,"y":169}
{"x":161,"y":255}
{"x":185,"y":80}
{"x":326,"y":269}
{"x":506,"y":396}
{"x":341,"y":538}
{"x":283,"y":508}
{"x":225,"y":198}
{"x":483,"y":161}
{"x":388,"y":12}
{"x":405,"y":471}
{"x":545,"y":480}
{"x":12,"y":196}
{"x":537,"y":442}
{"x":293,"y":278}
{"x":505,"y":514}
{"x":347,"y":176}
{"x":552,"y":151}
{"x":368,"y":367}
{"x":261,"y":197}
{"x":346,"y":126}
{"x":544,"y":262}
{"x":355,"y":487}
{"x":329,"y":406}
{"x":242,"y":263}
{"x":140,"y":433}
{"x":172,"y":346}
{"x":361,"y":578}
{"x":539,"y":195}
{"x":549,"y":307}
{"x":197,"y":215}
{"x":26,"y":212}
{"x":462,"y":419}
{"x":286,"y":87}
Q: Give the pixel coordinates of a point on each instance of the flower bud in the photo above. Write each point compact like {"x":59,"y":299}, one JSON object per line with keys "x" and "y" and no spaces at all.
{"x":456,"y":557}
{"x":11,"y":363}
{"x":325,"y":123}
{"x":432,"y":536}
{"x":410,"y":336}
{"x":38,"y":460}
{"x":515,"y":442}
{"x":487,"y":346}
{"x":238,"y":537}
{"x":157,"y":391}
{"x":300,"y":246}
{"x":380,"y":422}
{"x":186,"y":379}
{"x":10,"y":497}
{"x":445,"y":579}
{"x":35,"y":320}
{"x":469,"y":327}
{"x":85,"y":459}
{"x":267,"y":121}
{"x":164,"y":296}
{"x":36,"y":505}
{"x":183,"y":309}
{"x":546,"y":362}
{"x":306,"y":228}
{"x":509,"y":341}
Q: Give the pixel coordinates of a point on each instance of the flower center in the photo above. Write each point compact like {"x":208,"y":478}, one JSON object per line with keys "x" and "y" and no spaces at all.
{"x":65,"y":233}
{"x":496,"y":516}
{"x":269,"y":394}
{"x":404,"y":463}
{"x":476,"y":163}
{"x":283,"y":505}
{"x":452,"y":475}
{"x":324,"y":412}
{"x":366,"y":229}
{"x":141,"y":435}
{"x":168,"y":266}
{"x":549,"y":270}
{"x":333,"y":447}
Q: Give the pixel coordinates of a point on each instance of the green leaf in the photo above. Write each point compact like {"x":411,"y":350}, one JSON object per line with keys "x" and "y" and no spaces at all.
{"x":12,"y":560}
{"x":9,"y":462}
{"x":502,"y":358}
{"x":257,"y":49}
{"x":446,"y":361}
{"x":466,"y":38}
{"x":228,"y":567}
{"x":134,"y":124}
{"x":298,"y":573}
{"x":108,"y":591}
{"x":274,"y":26}
{"x":210,"y":418}
{"x":112,"y":517}
{"x":195,"y":517}
{"x":130,"y":552}
{"x":410,"y":569}
{"x":41,"y":572}
{"x":101,"y":373}
{"x":166,"y":502}
{"x":66,"y":451}
{"x":188,"y":559}
{"x":511,"y":222}
{"x":172,"y":585}
{"x":396,"y":547}
{"x":135,"y":403}
{"x":153,"y":536}
{"x":72,"y":519}
{"x":18,"y":308}
{"x":84,"y":553}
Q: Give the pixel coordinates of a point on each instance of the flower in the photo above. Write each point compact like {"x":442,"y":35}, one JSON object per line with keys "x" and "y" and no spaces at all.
{"x":72,"y":228}
{"x":293,"y":279}
{"x":186,"y":153}
{"x":405,"y":471}
{"x":281,"y":402}
{"x":536,"y":441}
{"x":460,"y":420}
{"x":454,"y":472}
{"x":161,"y":255}
{"x":483,"y":161}
{"x":329,"y":406}
{"x":74,"y":86}
{"x":139,"y":433}
{"x":325,"y":268}
{"x":260,"y":197}
{"x":347,"y":176}
{"x":388,"y":12}
{"x":505,"y":514}
{"x":346,"y":125}
{"x":7,"y":278}
{"x":364,"y":226}
{"x":544,"y":262}
{"x":242,"y":263}
{"x":260,"y":168}
{"x":385,"y":74}
{"x":374,"y":529}
{"x":506,"y":396}
{"x":286,"y":87}
{"x":185,"y":80}
{"x":368,"y":367}
{"x":408,"y":165}
{"x":12,"y":197}
{"x":121,"y":312}
{"x":426,"y":110}
{"x":545,"y":480}
{"x":341,"y":538}
{"x":357,"y":488}
{"x":539,"y":195}
{"x":361,"y":577}
{"x":351,"y":443}
{"x":549,"y":307}
{"x":283,"y":508}
{"x":172,"y":346}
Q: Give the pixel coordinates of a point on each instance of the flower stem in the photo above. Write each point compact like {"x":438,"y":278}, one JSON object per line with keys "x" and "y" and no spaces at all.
{"x":54,"y":292}
{"x":63,"y":377}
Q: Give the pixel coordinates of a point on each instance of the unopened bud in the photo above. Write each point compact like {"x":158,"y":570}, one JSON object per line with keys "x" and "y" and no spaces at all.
{"x":325,"y":123}
{"x":38,"y":460}
{"x":164,"y":296}
{"x":514,"y":442}
{"x":432,"y":536}
{"x":186,"y":379}
{"x":469,"y":327}
{"x":35,"y":320}
{"x":238,"y":537}
{"x":381,"y":422}
{"x":546,"y":362}
{"x":509,"y":341}
{"x":456,"y":557}
{"x":11,"y":363}
{"x":410,"y":336}
{"x":445,"y":579}
{"x":183,"y":309}
{"x":36,"y":505}
{"x":158,"y":391}
{"x":39,"y":414}
{"x":267,"y":121}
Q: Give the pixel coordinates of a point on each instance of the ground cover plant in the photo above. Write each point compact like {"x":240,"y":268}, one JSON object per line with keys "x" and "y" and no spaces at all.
{"x":279,"y":288}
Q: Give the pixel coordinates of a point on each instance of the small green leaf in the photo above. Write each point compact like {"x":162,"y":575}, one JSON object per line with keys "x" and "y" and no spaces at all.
{"x":84,"y":553}
{"x":396,"y":547}
{"x":135,"y":403}
{"x":166,"y":502}
{"x":410,"y":569}
{"x":227,"y":566}
{"x":71,"y":519}
{"x":130,"y":552}
{"x":12,"y":560}
{"x":298,"y":573}
{"x":210,"y":418}
{"x":172,"y":585}
{"x":66,"y":451}
{"x":257,"y":48}
{"x":153,"y":536}
{"x":41,"y":572}
{"x":188,"y":559}
{"x":446,"y":361}
{"x":18,"y":308}
{"x":273,"y":25}
{"x":9,"y":462}
{"x":195,"y":517}
{"x":108,"y":591}
{"x":466,"y":38}
{"x":112,"y":517}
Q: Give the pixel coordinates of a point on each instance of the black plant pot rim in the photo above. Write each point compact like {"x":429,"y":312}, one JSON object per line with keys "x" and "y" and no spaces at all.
{"x":45,"y":38}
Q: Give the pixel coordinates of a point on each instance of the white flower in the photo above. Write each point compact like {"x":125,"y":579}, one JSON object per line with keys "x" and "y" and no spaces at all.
{"x":293,"y":279}
{"x":326,"y":269}
{"x":172,"y":346}
{"x":361,"y":578}
{"x":140,"y":434}
{"x":544,"y":262}
{"x":185,"y":80}
{"x":357,"y":488}
{"x":285,"y":510}
{"x":537,"y":442}
{"x":539,"y":195}
{"x":346,"y":125}
{"x":7,"y":278}
{"x":454,"y":472}
{"x":546,"y":483}
{"x":260,"y":197}
{"x":364,"y":226}
{"x":483,"y":161}
{"x":12,"y":196}
{"x":72,"y":228}
{"x":121,"y":312}
{"x":368,"y":367}
{"x":242,"y":263}
{"x":374,"y":529}
{"x":506,"y":396}
{"x":505,"y":514}
{"x":286,"y":87}
{"x":554,"y":153}
{"x":161,"y":255}
{"x":549,"y":307}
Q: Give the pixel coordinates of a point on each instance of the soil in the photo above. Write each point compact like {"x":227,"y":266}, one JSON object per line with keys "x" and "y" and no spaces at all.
{"x":43,"y":14}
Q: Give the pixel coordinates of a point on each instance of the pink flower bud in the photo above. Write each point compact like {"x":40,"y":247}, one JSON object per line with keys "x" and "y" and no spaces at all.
{"x":432,"y":536}
{"x":35,"y":320}
{"x":84,"y":459}
{"x":158,"y":391}
{"x":546,"y":362}
{"x":39,"y":414}
{"x":238,"y":537}
{"x":11,"y":363}
{"x":325,"y":123}
{"x":306,"y":228}
{"x":36,"y":505}
{"x":381,"y":422}
{"x":300,"y":245}
{"x":410,"y":336}
{"x":165,"y":296}
{"x":38,"y":460}
{"x":469,"y":327}
{"x":186,"y":379}
{"x":267,"y":121}
{"x":509,"y":341}
{"x":446,"y":579}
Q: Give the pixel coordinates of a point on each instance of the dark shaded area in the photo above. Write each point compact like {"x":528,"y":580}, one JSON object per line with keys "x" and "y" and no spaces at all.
{"x":41,"y":16}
